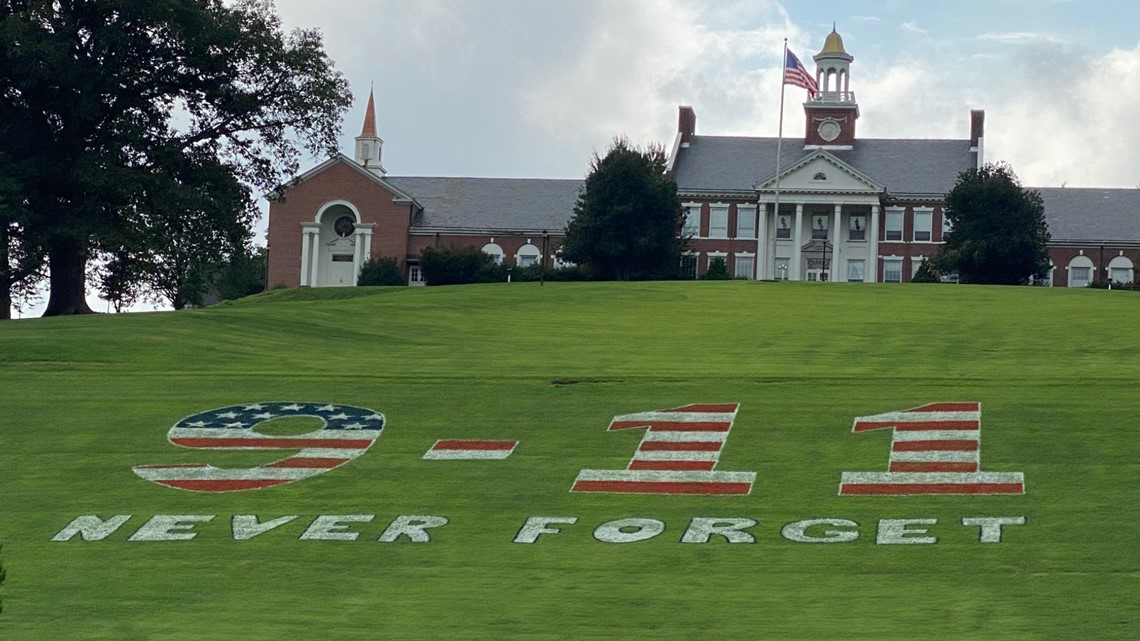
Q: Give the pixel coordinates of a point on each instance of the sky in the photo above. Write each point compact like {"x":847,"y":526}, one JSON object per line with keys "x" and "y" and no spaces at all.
{"x":534,"y":88}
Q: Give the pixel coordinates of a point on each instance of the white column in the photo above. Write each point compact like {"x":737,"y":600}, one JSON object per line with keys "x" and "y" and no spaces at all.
{"x":872,"y":272}
{"x":797,"y":244}
{"x":305,"y":242}
{"x":357,"y":252}
{"x":835,"y":247}
{"x":315,"y":260}
{"x":762,"y":241}
{"x":310,"y":253}
{"x":363,"y":246}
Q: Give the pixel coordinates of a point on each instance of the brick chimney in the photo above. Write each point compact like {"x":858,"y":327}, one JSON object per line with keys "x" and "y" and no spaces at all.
{"x":977,"y":133}
{"x":686,"y":123}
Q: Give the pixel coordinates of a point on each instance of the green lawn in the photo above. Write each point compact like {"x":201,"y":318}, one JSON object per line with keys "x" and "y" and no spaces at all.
{"x":83,"y":400}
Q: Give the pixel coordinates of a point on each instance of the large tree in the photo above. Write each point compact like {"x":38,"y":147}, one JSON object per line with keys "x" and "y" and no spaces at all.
{"x":114,"y":112}
{"x":999,"y":233}
{"x":627,"y":221}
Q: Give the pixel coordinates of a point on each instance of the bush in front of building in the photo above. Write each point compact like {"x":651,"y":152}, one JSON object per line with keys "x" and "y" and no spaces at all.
{"x":561,"y":274}
{"x":926,"y":273}
{"x":380,"y":271}
{"x":718,"y":270}
{"x":459,"y":265}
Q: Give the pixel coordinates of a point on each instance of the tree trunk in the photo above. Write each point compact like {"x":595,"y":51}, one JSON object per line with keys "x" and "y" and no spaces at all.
{"x":5,"y":275}
{"x":67,"y":260}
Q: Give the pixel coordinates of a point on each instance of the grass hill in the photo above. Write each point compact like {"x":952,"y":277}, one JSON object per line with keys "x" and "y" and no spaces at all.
{"x":84,"y":400}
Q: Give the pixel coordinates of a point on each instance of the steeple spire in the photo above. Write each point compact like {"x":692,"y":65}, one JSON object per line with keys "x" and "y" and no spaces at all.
{"x":369,"y":129}
{"x":368,"y":143}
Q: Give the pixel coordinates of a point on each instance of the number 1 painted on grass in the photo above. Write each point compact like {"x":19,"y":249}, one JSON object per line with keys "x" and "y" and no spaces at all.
{"x":935,"y":449}
{"x":678,"y":454}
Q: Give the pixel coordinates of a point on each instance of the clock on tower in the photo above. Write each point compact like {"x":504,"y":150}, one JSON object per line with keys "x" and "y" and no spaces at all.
{"x":831,"y":113}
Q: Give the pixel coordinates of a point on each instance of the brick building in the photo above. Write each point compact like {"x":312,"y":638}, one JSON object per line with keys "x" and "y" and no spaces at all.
{"x":841,"y":207}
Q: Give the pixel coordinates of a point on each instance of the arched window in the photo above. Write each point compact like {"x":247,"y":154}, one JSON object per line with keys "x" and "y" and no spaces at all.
{"x":527,"y":255}
{"x":1080,"y":271}
{"x":494,"y":251}
{"x":1120,"y":270}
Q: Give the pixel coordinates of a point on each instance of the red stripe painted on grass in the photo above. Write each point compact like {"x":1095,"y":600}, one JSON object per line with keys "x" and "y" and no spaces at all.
{"x":946,"y":407}
{"x":863,"y":426}
{"x":883,"y":489}
{"x":935,"y":446}
{"x":275,"y":443}
{"x":720,"y":408}
{"x":460,"y":444}
{"x":673,"y":426}
{"x":661,"y":487}
{"x":679,"y":466}
{"x":199,"y":485}
{"x":681,"y":446}
{"x":301,"y":461}
{"x":929,"y":466}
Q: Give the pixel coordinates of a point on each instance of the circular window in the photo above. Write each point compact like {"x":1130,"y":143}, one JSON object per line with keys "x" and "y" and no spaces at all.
{"x":828,"y":130}
{"x":344,"y":226}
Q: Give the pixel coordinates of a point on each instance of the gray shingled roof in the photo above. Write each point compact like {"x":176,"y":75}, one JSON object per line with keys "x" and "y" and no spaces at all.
{"x":1077,"y":214}
{"x":904,"y":166}
{"x":523,"y":204}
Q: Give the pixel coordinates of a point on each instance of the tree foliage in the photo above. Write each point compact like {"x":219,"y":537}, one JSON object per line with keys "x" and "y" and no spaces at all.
{"x":458,"y":265}
{"x":380,"y":271}
{"x":999,"y":231}
{"x":718,"y":269}
{"x":120,"y":119}
{"x":627,"y":221}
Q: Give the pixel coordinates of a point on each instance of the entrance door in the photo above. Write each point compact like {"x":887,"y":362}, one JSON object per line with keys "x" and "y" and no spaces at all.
{"x":340,"y":271}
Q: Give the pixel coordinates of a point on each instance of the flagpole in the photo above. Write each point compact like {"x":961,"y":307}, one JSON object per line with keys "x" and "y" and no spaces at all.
{"x":779,"y":142}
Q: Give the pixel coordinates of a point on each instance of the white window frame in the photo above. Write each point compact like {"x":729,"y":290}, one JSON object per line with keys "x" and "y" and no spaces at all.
{"x":685,"y":257}
{"x":531,"y":257}
{"x":718,"y":221}
{"x":888,"y":261}
{"x":893,"y":213}
{"x":751,"y":272}
{"x":784,"y":233}
{"x":916,"y":264}
{"x":820,"y":226}
{"x":862,"y":263}
{"x":1120,"y":263}
{"x":692,"y":226}
{"x":746,"y":213}
{"x":494,"y":250}
{"x":1081,"y":262}
{"x":928,"y":213}
{"x":415,"y":275}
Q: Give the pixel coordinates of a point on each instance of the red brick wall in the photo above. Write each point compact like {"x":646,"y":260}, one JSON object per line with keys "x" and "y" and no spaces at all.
{"x":301,"y":204}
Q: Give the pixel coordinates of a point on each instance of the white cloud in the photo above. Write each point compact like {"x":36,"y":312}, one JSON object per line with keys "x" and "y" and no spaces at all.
{"x":1020,"y":37}
{"x":912,"y":27}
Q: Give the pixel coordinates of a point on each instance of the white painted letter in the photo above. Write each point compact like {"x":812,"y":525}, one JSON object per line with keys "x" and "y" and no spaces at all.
{"x":700,"y":530}
{"x":798,"y":531}
{"x":895,"y":531}
{"x":91,"y":528}
{"x":247,"y":526}
{"x":642,"y":529}
{"x":537,"y":525}
{"x":990,"y":526}
{"x":413,"y":526}
{"x":334,"y":527}
{"x":170,"y":527}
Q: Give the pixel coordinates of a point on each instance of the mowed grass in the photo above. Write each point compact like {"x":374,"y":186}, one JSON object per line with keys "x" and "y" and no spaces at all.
{"x":82,"y":400}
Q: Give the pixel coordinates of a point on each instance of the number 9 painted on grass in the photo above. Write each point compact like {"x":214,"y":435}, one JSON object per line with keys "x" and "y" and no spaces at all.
{"x":346,"y":433}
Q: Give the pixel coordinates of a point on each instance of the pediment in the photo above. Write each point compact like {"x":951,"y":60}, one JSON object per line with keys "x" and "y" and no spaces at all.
{"x":821,"y":172}
{"x":343,"y":162}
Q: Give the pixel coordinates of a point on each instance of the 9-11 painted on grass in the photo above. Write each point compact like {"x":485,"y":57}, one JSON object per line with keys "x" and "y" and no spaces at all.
{"x":935,"y":450}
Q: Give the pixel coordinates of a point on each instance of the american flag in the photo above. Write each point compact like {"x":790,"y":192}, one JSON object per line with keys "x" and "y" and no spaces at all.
{"x":795,"y":74}
{"x":346,"y":433}
{"x":678,"y":454}
{"x":935,"y":449}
